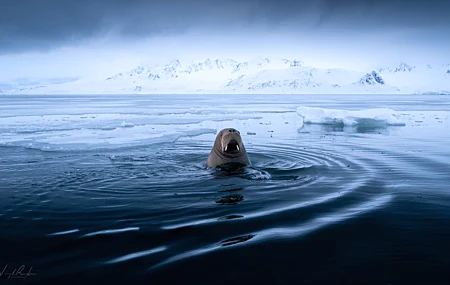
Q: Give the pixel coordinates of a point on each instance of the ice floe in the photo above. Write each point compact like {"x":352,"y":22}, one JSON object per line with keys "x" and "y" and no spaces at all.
{"x":372,"y":117}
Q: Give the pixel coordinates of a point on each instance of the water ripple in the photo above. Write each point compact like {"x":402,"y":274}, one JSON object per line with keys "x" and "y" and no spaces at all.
{"x":135,"y":255}
{"x":64,"y":232}
{"x":108,"y":232}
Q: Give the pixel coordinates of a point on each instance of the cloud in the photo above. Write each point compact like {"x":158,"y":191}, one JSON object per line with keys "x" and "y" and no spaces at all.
{"x":46,"y":24}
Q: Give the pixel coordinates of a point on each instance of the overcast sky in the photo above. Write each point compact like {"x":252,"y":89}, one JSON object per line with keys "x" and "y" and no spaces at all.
{"x":89,"y":37}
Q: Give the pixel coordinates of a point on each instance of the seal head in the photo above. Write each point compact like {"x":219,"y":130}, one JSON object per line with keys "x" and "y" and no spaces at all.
{"x":228,"y":149}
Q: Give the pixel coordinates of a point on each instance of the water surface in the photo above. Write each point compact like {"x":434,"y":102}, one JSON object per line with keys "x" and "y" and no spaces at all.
{"x":114,"y":189}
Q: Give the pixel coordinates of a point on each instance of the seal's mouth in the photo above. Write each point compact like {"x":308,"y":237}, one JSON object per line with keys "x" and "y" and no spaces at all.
{"x":232,"y":147}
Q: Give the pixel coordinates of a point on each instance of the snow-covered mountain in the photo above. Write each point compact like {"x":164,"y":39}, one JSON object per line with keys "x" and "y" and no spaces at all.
{"x":26,"y":83}
{"x":258,"y":75}
{"x":227,"y":67}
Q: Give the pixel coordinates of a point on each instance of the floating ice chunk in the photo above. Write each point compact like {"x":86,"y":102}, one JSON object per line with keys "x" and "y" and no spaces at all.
{"x":372,"y":117}
{"x":126,"y":125}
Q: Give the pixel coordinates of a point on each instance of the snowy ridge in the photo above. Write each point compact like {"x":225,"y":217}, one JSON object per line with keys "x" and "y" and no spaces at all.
{"x":176,"y":69}
{"x":258,"y":75}
{"x":372,"y":78}
{"x":403,"y":67}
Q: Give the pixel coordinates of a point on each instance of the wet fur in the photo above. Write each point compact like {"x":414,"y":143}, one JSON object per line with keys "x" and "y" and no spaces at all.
{"x":218,"y":156}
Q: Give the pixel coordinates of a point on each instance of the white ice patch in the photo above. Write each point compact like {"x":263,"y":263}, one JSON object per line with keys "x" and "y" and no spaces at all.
{"x":126,"y":125}
{"x":112,"y":130}
{"x":368,"y":117}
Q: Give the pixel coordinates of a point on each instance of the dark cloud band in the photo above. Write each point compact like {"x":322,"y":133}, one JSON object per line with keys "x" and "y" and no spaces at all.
{"x":44,"y":24}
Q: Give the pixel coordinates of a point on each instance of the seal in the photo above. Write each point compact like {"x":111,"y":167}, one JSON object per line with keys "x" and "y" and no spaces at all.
{"x":228,"y":149}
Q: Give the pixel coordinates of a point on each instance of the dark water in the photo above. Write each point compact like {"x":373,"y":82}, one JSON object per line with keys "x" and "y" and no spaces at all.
{"x":320,"y":205}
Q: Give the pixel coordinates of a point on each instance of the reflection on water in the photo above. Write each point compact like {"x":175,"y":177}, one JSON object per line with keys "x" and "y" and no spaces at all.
{"x":359,"y":129}
{"x":232,"y":241}
{"x":230,"y":199}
